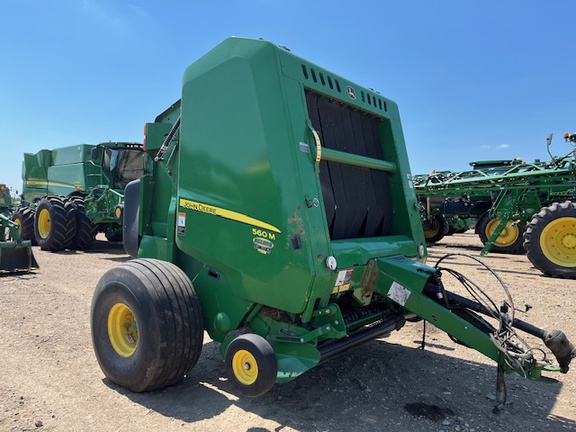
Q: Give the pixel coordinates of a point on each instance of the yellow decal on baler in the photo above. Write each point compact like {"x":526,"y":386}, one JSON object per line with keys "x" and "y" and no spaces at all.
{"x":226,"y":214}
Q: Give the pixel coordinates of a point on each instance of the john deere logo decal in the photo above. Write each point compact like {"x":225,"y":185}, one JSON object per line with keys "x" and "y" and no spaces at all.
{"x":351,"y":92}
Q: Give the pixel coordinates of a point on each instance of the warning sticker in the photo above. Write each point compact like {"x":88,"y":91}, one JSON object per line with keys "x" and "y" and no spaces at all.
{"x":344,"y":277}
{"x":181,"y":224}
{"x":398,"y":293}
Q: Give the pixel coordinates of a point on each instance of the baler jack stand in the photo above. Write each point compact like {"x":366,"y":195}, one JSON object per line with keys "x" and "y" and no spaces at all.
{"x":500,"y":389}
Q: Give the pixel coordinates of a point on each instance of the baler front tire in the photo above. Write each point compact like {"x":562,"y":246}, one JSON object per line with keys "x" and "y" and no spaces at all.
{"x":251,"y":365}
{"x":550,"y":240}
{"x":509,"y":240}
{"x":146,"y":322}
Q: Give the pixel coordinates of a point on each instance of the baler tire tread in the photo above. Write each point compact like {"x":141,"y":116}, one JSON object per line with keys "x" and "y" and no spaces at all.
{"x":533,"y":239}
{"x":169,"y":321}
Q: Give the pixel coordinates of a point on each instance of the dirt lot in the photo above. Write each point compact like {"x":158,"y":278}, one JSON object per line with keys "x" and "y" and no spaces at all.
{"x":50,"y":380}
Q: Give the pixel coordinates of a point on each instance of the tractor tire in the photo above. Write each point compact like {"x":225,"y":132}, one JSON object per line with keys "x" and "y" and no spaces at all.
{"x":24,"y":218}
{"x":85,"y":230}
{"x":510,"y":239}
{"x":550,"y":240}
{"x":54,"y":224}
{"x":146,"y":322}
{"x":251,"y":365}
{"x":439,"y":228}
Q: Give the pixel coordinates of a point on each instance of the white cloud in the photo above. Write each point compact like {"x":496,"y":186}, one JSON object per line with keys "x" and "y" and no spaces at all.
{"x":498,"y":147}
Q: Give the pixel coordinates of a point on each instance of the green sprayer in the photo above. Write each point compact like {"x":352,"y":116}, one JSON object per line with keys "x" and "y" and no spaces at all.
{"x":513,"y":204}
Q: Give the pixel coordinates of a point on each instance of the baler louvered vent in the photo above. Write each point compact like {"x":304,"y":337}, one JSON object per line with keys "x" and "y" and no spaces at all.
{"x":334,"y":84}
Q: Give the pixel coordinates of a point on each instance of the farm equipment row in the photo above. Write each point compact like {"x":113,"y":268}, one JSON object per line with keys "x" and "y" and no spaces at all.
{"x":72,"y":193}
{"x":280,"y":217}
{"x":513,"y":205}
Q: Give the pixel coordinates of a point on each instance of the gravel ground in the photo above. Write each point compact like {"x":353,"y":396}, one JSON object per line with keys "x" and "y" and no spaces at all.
{"x":50,"y":380}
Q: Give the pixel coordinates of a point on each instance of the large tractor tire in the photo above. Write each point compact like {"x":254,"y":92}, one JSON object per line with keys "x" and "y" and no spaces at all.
{"x":438,"y":228}
{"x":85,"y":230}
{"x":509,"y":240}
{"x":251,"y":364}
{"x":146,"y":321}
{"x":24,"y":218}
{"x":550,"y":240}
{"x":54,"y":224}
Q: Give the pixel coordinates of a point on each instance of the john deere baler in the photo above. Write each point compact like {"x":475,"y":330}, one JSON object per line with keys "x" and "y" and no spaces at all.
{"x":280,"y":217}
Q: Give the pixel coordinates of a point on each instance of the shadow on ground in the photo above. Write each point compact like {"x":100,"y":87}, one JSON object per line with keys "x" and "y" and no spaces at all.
{"x":377,"y":386}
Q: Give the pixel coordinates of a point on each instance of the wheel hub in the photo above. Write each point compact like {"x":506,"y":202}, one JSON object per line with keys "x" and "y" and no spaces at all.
{"x":569,"y":241}
{"x":558,"y":241}
{"x":245,"y":367}
{"x":44,"y":223}
{"x":122,"y":330}
{"x":508,"y":235}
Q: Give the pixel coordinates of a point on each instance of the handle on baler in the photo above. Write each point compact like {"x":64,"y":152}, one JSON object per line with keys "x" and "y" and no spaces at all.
{"x":167,"y":141}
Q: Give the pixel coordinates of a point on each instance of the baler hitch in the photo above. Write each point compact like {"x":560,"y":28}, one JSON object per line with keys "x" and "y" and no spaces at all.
{"x":555,"y":340}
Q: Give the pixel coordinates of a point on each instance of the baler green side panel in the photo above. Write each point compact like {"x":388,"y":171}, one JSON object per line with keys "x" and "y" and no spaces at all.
{"x":238,"y":195}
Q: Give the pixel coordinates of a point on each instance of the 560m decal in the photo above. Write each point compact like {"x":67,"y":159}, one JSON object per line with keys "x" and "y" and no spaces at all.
{"x":226,"y":214}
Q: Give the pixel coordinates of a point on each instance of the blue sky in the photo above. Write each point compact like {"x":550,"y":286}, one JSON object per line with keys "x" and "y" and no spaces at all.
{"x":473,"y":79}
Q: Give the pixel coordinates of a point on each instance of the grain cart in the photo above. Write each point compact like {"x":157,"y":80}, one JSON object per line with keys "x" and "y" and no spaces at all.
{"x":505,"y":196}
{"x":15,"y":255}
{"x":280,"y":217}
{"x":76,"y":192}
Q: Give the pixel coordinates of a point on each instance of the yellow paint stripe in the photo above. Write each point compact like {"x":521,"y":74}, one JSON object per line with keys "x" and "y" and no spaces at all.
{"x":45,"y":183}
{"x":227,"y":214}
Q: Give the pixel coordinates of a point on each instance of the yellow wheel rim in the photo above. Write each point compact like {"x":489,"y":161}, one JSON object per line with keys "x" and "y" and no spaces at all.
{"x":508,"y":236}
{"x":122,"y":330}
{"x":245,"y":367}
{"x":44,"y":223}
{"x":558,"y":241}
{"x":434,"y":230}
{"x":19,"y":223}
